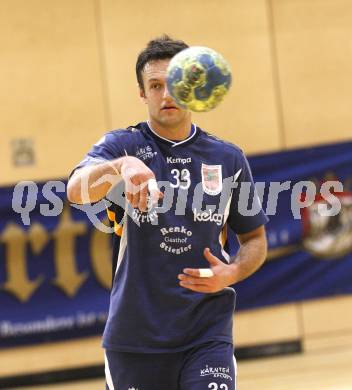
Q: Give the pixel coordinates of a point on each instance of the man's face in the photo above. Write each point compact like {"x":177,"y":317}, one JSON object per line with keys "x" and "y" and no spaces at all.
{"x":161,"y":106}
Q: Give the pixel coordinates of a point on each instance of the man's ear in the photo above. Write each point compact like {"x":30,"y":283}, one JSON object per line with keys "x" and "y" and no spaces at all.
{"x":142,"y":95}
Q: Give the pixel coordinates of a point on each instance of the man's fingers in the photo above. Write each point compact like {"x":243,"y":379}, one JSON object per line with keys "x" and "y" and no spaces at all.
{"x":192,"y":272}
{"x":213,"y":260}
{"x":143,"y":199}
{"x":137,"y":189}
{"x":206,"y":273}
{"x":192,"y":279}
{"x":152,"y":185}
{"x":137,"y":176}
{"x":199,"y":272}
{"x":129,"y":191}
{"x":129,"y":196}
{"x":135,"y":199}
{"x":154,"y":192}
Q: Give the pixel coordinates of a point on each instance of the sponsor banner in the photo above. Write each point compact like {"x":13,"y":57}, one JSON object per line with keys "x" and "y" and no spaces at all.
{"x":55,"y":270}
{"x":310,"y":252}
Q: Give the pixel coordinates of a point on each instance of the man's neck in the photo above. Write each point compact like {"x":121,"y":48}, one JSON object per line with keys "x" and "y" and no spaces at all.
{"x":174,"y":133}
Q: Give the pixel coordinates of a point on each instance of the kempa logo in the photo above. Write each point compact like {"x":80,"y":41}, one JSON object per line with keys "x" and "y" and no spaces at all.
{"x":208,"y":216}
{"x":178,"y":160}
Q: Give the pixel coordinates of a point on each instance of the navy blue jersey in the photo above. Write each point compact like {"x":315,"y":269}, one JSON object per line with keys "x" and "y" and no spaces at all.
{"x":149,"y":311}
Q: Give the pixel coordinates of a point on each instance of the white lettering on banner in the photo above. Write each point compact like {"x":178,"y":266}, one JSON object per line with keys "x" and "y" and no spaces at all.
{"x":208,"y":216}
{"x":51,"y":324}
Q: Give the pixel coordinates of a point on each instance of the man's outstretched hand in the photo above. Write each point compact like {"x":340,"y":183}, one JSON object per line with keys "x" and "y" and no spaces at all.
{"x":223,"y":275}
{"x":139,"y":180}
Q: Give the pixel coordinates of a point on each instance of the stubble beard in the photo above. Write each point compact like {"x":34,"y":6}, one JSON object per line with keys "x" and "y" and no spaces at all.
{"x":169,"y":122}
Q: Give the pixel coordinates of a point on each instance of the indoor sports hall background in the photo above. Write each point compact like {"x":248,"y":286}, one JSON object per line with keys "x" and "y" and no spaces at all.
{"x":67,"y":76}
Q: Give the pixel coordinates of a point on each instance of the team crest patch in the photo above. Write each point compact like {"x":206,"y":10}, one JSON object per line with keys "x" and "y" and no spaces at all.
{"x":212,"y":179}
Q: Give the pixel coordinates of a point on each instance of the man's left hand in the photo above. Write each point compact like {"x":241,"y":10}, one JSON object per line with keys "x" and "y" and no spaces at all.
{"x":223,"y":275}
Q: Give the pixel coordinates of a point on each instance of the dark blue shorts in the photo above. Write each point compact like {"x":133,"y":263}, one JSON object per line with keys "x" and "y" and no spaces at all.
{"x":209,"y":366}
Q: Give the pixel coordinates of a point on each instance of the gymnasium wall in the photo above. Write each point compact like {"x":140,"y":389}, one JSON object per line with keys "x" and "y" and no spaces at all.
{"x":68,"y":72}
{"x":67,"y":76}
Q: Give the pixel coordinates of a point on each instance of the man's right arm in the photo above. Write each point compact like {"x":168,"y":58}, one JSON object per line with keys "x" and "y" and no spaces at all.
{"x":87,"y":185}
{"x":91,"y":183}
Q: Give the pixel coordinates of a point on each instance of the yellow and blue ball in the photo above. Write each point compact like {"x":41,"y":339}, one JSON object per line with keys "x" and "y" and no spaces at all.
{"x":198,"y":78}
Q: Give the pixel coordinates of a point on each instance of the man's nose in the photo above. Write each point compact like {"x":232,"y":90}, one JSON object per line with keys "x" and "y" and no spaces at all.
{"x":166,"y":92}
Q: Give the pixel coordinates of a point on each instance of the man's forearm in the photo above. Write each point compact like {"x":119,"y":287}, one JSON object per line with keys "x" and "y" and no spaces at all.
{"x":249,"y":258}
{"x":92,"y":183}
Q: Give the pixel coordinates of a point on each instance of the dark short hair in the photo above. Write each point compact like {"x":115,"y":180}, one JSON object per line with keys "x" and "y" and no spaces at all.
{"x":160,"y":48}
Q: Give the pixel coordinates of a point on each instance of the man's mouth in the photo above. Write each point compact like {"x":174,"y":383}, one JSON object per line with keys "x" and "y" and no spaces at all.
{"x":170,"y":108}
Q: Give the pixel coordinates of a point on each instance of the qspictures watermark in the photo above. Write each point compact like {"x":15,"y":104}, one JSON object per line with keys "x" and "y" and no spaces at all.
{"x":27,"y":195}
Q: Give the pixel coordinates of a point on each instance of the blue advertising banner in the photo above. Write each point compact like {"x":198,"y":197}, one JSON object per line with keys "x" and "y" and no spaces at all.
{"x":55,"y":270}
{"x":310,"y":253}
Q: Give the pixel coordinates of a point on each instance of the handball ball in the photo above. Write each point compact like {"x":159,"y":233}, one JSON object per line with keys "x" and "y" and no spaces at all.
{"x":198,"y":78}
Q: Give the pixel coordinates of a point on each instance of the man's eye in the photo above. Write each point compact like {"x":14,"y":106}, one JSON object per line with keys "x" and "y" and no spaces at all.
{"x":155,"y":86}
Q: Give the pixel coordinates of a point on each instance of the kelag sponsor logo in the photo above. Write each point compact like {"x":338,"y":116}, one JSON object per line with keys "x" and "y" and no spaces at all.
{"x":208,"y":216}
